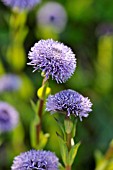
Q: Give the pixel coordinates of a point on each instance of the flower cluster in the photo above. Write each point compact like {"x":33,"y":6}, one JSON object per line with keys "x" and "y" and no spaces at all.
{"x":10,"y":82}
{"x":56,"y":18}
{"x":8,"y":117}
{"x":54,"y":59}
{"x":21,"y":4}
{"x":40,"y":160}
{"x":69,"y":102}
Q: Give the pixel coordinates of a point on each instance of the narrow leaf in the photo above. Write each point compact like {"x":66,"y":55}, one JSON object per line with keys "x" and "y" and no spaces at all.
{"x":63,"y":150}
{"x":61,"y":167}
{"x":34,"y":106}
{"x":61,"y":127}
{"x":74,"y":128}
{"x":43,"y":140}
{"x":73,"y":153}
{"x":33,"y":131}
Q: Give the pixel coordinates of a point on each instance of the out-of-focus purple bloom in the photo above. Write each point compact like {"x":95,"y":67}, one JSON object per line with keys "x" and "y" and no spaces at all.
{"x":54,"y":59}
{"x":10,"y":82}
{"x":52,"y":14}
{"x":37,"y":160}
{"x":8,"y":117}
{"x":21,"y":4}
{"x":104,"y":29}
{"x":69,"y":102}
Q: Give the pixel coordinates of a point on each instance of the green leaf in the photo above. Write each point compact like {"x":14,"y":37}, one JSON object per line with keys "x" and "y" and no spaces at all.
{"x":18,"y":140}
{"x":74,"y":128}
{"x":61,"y":127}
{"x":34,"y":106}
{"x":68,"y":124}
{"x":73,"y":153}
{"x":42,"y":141}
{"x":102,"y":165}
{"x":34,"y":123}
{"x":63,"y":150}
{"x":98,"y":156}
{"x":61,"y":167}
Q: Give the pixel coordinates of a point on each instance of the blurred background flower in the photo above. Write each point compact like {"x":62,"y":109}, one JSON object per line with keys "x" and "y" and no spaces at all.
{"x":104,"y":29}
{"x":53,"y":16}
{"x":25,"y":4}
{"x":10,"y":82}
{"x":8,"y":117}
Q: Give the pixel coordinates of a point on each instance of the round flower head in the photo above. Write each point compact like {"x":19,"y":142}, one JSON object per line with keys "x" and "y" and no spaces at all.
{"x":54,"y":59}
{"x":53,"y":15}
{"x":9,"y":82}
{"x":70,"y":102}
{"x":37,"y":160}
{"x":8,"y":117}
{"x":21,"y":4}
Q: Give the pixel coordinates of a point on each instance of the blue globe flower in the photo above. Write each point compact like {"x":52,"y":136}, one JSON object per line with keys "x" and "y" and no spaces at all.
{"x":8,"y":117}
{"x":37,"y":160}
{"x":69,"y":102}
{"x":21,"y":4}
{"x":10,"y":82}
{"x":54,"y":59}
{"x":56,"y":18}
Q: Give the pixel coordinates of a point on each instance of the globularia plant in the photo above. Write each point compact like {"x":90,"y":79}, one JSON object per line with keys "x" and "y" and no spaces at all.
{"x":58,"y":61}
{"x":55,"y":60}
{"x":70,"y":103}
{"x":73,"y":105}
{"x":40,"y":160}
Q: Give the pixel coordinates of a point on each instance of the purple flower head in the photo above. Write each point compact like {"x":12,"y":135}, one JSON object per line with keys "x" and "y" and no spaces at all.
{"x":54,"y":59}
{"x":8,"y":117}
{"x":21,"y":4}
{"x":37,"y":160}
{"x":70,"y":102}
{"x":53,"y":15}
{"x":10,"y":82}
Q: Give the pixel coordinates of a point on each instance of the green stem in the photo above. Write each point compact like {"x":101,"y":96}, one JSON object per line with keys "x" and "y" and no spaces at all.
{"x":39,"y":126}
{"x":68,"y":142}
{"x":68,"y":139}
{"x":40,"y":110}
{"x":68,"y":167}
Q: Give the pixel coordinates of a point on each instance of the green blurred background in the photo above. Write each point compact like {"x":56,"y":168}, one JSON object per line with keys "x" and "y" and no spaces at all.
{"x":89,"y":32}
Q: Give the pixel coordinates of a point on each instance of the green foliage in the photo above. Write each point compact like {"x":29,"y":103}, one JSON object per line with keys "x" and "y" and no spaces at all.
{"x":63,"y":150}
{"x":93,"y":77}
{"x":72,"y":153}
